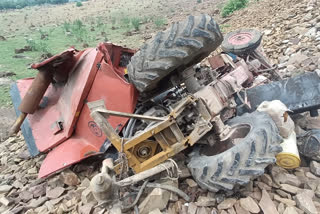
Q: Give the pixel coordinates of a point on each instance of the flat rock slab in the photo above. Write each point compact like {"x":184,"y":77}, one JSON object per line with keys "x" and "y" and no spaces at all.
{"x":5,"y":188}
{"x":55,"y":192}
{"x":267,"y":204}
{"x":290,"y":210}
{"x":286,"y":201}
{"x":305,"y":203}
{"x":315,"y":168}
{"x":227,"y":204}
{"x":249,"y":204}
{"x":289,"y":188}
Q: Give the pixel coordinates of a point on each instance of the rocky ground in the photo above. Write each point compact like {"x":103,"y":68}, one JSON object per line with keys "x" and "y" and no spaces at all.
{"x":291,"y":32}
{"x":291,"y":40}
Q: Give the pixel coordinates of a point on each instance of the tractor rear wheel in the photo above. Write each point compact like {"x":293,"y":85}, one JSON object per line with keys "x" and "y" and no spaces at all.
{"x":183,"y":45}
{"x":245,"y":155}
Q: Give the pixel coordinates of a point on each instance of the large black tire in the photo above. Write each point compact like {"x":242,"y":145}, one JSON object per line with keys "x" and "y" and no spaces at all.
{"x":242,"y":162}
{"x":184,"y":44}
{"x":309,"y":144}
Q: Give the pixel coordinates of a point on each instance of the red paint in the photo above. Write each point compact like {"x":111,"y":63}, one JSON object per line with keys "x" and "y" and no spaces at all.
{"x":240,"y":38}
{"x":95,"y":75}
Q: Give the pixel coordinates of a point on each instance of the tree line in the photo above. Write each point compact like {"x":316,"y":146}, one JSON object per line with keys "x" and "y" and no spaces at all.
{"x":18,"y":4}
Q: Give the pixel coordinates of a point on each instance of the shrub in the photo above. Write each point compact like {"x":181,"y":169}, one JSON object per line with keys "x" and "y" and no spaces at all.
{"x":79,"y":4}
{"x":66,"y":26}
{"x":38,"y":46}
{"x":233,"y":5}
{"x":126,"y":22}
{"x":135,"y":23}
{"x":159,"y":22}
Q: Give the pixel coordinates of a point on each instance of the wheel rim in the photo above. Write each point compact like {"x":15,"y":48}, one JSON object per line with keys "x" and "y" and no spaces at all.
{"x":241,"y":38}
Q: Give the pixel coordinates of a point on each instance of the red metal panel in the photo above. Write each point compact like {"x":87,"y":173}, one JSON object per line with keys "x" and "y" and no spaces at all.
{"x":64,"y":102}
{"x":88,"y":138}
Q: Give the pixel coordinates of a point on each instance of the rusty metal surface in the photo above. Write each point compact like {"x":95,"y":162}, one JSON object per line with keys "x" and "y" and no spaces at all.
{"x":32,"y":98}
{"x":216,"y":62}
{"x":141,"y":150}
{"x":63,"y":122}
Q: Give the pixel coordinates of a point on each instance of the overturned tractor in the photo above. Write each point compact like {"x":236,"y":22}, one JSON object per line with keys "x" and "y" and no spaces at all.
{"x":139,"y":109}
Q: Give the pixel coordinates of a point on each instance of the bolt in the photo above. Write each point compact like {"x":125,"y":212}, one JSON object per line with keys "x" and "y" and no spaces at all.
{"x":100,"y":180}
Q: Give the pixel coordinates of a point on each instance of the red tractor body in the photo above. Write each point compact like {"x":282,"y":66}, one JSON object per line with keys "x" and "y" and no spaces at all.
{"x":62,"y":125}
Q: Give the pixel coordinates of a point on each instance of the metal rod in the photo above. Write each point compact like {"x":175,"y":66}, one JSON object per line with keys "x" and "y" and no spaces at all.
{"x":106,"y":127}
{"x":123,"y":114}
{"x":145,"y":174}
{"x":17,"y":124}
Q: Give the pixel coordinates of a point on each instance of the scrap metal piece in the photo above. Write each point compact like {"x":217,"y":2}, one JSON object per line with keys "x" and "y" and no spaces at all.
{"x":168,"y":136}
{"x":216,"y":62}
{"x":299,"y":94}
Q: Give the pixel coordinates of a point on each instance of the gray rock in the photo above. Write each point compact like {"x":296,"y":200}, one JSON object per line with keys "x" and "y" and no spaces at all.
{"x":5,"y":81}
{"x":286,"y":201}
{"x":191,"y":183}
{"x":291,"y":68}
{"x":249,"y":204}
{"x":87,"y":196}
{"x":227,"y":204}
{"x":34,"y":203}
{"x":86,"y":209}
{"x":266,"y":204}
{"x":192,"y":208}
{"x":25,"y":196}
{"x":305,"y":203}
{"x":239,"y":209}
{"x":69,"y":178}
{"x":290,"y":210}
{"x":311,"y":33}
{"x":265,"y":178}
{"x":317,"y":192}
{"x":204,"y":201}
{"x":5,"y":201}
{"x":157,"y":199}
{"x":289,"y":188}
{"x":281,"y":208}
{"x":55,"y":192}
{"x":5,"y":188}
{"x":315,"y":168}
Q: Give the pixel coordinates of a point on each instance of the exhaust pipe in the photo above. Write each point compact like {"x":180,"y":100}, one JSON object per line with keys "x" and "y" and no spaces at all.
{"x":32,"y":98}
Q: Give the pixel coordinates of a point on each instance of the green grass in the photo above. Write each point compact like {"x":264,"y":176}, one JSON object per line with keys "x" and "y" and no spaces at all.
{"x":79,"y":4}
{"x":233,"y":5}
{"x":224,"y":27}
{"x":159,"y":22}
{"x":135,"y":21}
{"x":56,"y":40}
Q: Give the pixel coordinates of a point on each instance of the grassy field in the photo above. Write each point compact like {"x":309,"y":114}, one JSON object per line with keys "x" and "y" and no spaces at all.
{"x":54,"y":28}
{"x":53,"y":38}
{"x":56,"y":40}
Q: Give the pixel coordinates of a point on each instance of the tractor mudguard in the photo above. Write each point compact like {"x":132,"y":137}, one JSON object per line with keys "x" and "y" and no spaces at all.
{"x":299,"y":94}
{"x":62,"y":123}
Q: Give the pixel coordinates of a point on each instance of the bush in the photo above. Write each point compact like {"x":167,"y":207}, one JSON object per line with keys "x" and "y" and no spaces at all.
{"x":233,"y":5}
{"x":38,"y":46}
{"x":135,"y":23}
{"x":159,"y":22}
{"x":66,"y":26}
{"x":79,"y":4}
{"x":78,"y":29}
